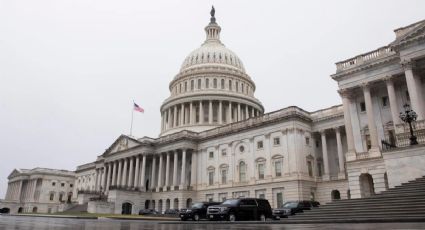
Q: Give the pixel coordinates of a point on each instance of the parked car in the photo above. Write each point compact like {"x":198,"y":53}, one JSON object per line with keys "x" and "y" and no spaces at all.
{"x":171,"y":211}
{"x":241,"y":209}
{"x":148,"y":212}
{"x":197,"y":211}
{"x":292,"y":207}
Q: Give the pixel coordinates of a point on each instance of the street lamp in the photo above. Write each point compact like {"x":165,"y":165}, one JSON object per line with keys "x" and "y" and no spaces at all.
{"x":409,"y":116}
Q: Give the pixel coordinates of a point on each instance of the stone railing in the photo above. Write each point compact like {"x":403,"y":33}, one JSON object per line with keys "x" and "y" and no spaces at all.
{"x":404,"y":128}
{"x":365,"y":58}
{"x":363,"y":155}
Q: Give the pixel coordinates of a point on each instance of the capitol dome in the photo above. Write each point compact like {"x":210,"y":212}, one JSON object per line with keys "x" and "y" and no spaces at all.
{"x":211,"y":89}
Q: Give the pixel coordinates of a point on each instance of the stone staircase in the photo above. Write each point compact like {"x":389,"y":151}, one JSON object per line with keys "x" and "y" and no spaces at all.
{"x":78,"y":208}
{"x":404,"y":203}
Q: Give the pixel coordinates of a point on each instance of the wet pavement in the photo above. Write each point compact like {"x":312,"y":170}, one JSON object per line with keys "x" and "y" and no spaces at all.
{"x":36,"y":223}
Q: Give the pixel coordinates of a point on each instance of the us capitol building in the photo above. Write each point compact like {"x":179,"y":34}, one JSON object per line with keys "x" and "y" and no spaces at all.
{"x":216,"y":142}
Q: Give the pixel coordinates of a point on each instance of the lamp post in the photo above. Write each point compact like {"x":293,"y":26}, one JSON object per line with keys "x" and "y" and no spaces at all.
{"x":409,"y":116}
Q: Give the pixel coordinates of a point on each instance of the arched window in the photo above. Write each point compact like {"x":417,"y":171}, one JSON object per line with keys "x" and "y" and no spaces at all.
{"x":242,"y":171}
{"x":230,"y":84}
{"x":237,"y":86}
{"x":199,"y":83}
{"x":180,"y":88}
{"x":51,"y":196}
{"x":185,"y":86}
{"x":215,"y":83}
{"x":242,"y":87}
{"x":192,"y":83}
{"x":207,"y":83}
{"x":222,"y":83}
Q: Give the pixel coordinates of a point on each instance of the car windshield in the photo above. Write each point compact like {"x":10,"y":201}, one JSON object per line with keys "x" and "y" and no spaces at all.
{"x":230,"y":202}
{"x":197,"y":205}
{"x":290,"y":205}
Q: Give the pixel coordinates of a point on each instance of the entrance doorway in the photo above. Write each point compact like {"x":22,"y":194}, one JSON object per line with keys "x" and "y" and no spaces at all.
{"x":126,"y":208}
{"x":366,"y":185}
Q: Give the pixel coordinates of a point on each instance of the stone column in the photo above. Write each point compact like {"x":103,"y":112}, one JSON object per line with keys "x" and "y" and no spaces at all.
{"x":339,"y":150}
{"x":193,"y":170}
{"x":229,"y":120}
{"x":153,"y":184}
{"x":160,"y":172}
{"x":130,"y":173}
{"x":119,"y":174}
{"x":393,"y":100}
{"x":162,"y":121}
{"x":175,"y":116}
{"x":143,"y":173}
{"x":374,"y":150}
{"x":252,"y":112}
{"x":220,"y":112}
{"x":114,"y":173}
{"x":103,"y":178}
{"x":183,"y":171}
{"x":169,"y":123}
{"x":191,"y":114}
{"x":96,"y":180}
{"x":325,"y":155}
{"x":137,"y":171}
{"x":210,"y":113}
{"x":19,"y":190}
{"x":201,"y":113}
{"x":108,"y":177}
{"x":175,"y":162}
{"x":182,"y":114}
{"x":124,"y":173}
{"x":346,"y":102}
{"x":167,"y":172}
{"x":414,"y":87}
{"x":246,"y":112}
{"x":239,"y":112}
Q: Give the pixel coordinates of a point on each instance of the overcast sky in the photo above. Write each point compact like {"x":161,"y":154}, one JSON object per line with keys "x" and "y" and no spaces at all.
{"x":69,"y":69}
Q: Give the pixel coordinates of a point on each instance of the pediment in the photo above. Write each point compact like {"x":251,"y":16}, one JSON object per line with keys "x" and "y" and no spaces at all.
{"x":122,"y":143}
{"x":14,"y":173}
{"x":417,"y":32}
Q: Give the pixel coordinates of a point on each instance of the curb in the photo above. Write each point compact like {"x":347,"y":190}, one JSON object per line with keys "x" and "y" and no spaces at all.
{"x":56,"y":216}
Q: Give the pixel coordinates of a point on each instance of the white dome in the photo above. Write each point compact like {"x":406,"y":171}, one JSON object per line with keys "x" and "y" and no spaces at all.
{"x":212,"y":53}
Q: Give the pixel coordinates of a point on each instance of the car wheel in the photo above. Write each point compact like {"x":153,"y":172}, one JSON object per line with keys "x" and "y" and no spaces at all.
{"x":232,"y":217}
{"x":196,"y":217}
{"x":262,"y":217}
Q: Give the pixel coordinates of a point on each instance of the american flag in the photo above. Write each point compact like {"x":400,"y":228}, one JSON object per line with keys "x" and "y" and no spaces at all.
{"x":138,"y":108}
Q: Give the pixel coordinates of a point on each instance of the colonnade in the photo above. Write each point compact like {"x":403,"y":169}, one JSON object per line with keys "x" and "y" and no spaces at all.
{"x":131,"y":172}
{"x":206,"y":112}
{"x":341,"y":164}
{"x":14,"y":190}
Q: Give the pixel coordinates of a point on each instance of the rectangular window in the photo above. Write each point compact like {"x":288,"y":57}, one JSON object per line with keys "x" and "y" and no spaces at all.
{"x":211,"y":178}
{"x":262,"y":196}
{"x":307,"y":140}
{"x":52,"y":195}
{"x":211,"y":155}
{"x":278,"y":168}
{"x":223,"y":153}
{"x":259,"y":144}
{"x":384,"y":101}
{"x":310,"y":168}
{"x":362,"y":107}
{"x":224,"y":176}
{"x":319,"y":168}
{"x":60,"y":197}
{"x":276,"y":141}
{"x":261,"y":171}
{"x":279,"y":199}
{"x":71,"y":185}
{"x":53,"y":183}
{"x":62,"y":184}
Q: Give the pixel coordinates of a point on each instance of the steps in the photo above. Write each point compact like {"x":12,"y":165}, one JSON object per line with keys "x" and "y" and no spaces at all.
{"x":403,"y":203}
{"x":79,"y":208}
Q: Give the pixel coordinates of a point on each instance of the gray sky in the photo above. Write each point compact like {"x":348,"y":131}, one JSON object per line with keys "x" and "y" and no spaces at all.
{"x":69,"y":70}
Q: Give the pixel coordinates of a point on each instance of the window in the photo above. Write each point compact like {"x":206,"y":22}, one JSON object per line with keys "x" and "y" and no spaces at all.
{"x":319,"y":168}
{"x":261,"y":171}
{"x":259,"y":144}
{"x":241,"y":149}
{"x":237,"y":87}
{"x":180,"y":88}
{"x":223,"y":152}
{"x":185,"y":86}
{"x":192,"y":85}
{"x":362,"y":107}
{"x":207,"y":83}
{"x":242,"y":87}
{"x":51,"y":196}
{"x":230,"y":84}
{"x":71,"y":185}
{"x":310,"y":168}
{"x":199,"y":83}
{"x":276,"y":141}
{"x":215,"y":83}
{"x":278,"y":168}
{"x":54,"y":183}
{"x":242,"y":171}
{"x":317,"y":144}
{"x":279,"y":199}
{"x":262,"y":196}
{"x":62,"y":184}
{"x":384,"y":101}
{"x":211,"y":155}
{"x":224,"y":176}
{"x":307,"y":140}
{"x":222,"y":83}
{"x":61,"y":197}
{"x":211,"y":177}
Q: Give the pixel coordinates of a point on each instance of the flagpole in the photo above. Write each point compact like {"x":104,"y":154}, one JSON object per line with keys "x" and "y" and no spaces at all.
{"x":131,"y":126}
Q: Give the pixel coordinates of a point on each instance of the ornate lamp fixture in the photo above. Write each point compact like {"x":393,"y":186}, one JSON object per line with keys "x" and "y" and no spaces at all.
{"x":409,"y":116}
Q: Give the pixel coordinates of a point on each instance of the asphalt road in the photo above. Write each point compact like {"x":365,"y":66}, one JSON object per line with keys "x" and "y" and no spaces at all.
{"x":36,"y":223}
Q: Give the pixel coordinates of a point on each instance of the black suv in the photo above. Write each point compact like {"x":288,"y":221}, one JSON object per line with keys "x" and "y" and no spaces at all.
{"x":241,"y":209}
{"x":291,"y":207}
{"x":197,"y":211}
